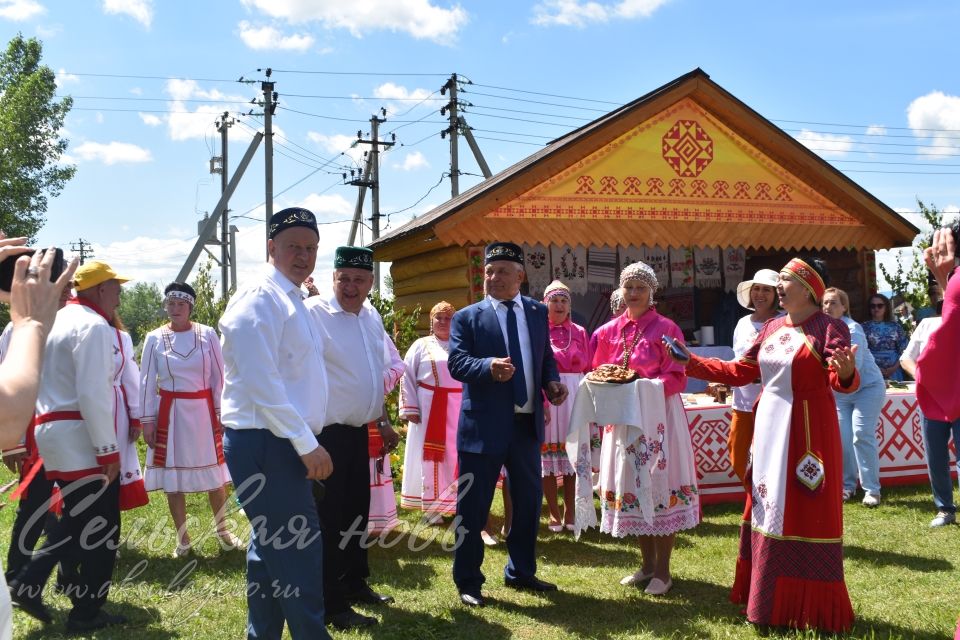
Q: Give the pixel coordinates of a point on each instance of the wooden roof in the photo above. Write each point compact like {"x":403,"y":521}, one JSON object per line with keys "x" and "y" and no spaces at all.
{"x":685,"y":165}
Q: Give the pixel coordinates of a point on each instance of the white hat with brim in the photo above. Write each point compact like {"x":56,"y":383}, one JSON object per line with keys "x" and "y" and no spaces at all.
{"x":768,"y":277}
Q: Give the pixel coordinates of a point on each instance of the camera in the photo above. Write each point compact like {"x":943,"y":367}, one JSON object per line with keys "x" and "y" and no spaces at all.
{"x":7,"y":266}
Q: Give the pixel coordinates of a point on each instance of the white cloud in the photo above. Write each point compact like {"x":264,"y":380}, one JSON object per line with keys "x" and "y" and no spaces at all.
{"x":150,"y":120}
{"x":935,"y":117}
{"x":391,"y":92}
{"x":876,"y":130}
{"x":826,"y":144}
{"x":63,"y":78}
{"x":577,"y":13}
{"x":337,"y":143}
{"x":99,"y":118}
{"x":112,"y":153}
{"x":139,"y":10}
{"x":418,"y":18}
{"x":269,"y":38}
{"x":186,"y":124}
{"x":412,"y":162}
{"x":136,"y":91}
{"x":20,"y":10}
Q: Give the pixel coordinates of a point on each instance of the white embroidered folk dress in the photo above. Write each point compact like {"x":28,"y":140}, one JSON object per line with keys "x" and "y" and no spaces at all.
{"x":382,"y":516}
{"x":126,"y":412}
{"x":428,"y":485}
{"x":182,"y":373}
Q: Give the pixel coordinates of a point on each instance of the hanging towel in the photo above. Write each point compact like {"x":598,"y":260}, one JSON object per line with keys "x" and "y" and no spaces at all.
{"x":537,"y":265}
{"x":734,"y":265}
{"x":681,"y":267}
{"x":570,"y":267}
{"x":659,"y":261}
{"x":602,"y":269}
{"x":709,"y":274}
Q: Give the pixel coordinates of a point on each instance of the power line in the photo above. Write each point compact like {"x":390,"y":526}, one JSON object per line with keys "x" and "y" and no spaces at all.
{"x":141,"y":77}
{"x":548,"y":95}
{"x":358,"y":73}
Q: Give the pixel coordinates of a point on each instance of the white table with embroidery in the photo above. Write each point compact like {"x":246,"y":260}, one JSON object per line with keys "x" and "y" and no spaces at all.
{"x":632,"y":416}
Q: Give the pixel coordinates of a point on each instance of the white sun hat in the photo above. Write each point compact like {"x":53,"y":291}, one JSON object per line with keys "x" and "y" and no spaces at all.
{"x":768,"y":277}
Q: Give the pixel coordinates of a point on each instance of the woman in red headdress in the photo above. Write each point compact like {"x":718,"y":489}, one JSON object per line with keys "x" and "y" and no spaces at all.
{"x":790,"y":566}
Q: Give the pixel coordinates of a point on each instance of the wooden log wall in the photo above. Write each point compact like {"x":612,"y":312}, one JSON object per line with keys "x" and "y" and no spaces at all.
{"x":427,"y":278}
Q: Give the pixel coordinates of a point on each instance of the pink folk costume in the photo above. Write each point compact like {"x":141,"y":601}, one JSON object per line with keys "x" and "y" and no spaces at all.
{"x":790,"y":565}
{"x":180,"y":385}
{"x":126,"y":414}
{"x":571,"y":350}
{"x":382,"y":516}
{"x":673,"y":481}
{"x":430,"y":459}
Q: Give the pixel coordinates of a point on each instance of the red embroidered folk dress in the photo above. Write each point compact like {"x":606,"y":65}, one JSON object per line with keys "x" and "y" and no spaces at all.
{"x":790,"y":565}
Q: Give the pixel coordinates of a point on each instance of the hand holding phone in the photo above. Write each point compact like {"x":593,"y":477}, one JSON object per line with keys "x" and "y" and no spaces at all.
{"x":9,"y":264}
{"x":676,"y":350}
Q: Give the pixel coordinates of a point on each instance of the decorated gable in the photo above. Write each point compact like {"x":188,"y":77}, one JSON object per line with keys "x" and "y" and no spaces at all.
{"x":681,"y":165}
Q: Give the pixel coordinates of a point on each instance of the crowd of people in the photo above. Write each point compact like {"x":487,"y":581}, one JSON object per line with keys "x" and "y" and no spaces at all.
{"x":288,"y":405}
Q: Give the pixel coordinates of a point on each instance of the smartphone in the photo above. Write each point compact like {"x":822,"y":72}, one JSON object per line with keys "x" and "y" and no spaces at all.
{"x":7,"y":266}
{"x":676,"y":350}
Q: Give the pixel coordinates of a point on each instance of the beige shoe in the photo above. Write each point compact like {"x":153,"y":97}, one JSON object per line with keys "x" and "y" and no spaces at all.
{"x":229,"y":542}
{"x":488,"y":539}
{"x":182,"y":551}
{"x":658,"y":587}
{"x":635,"y":578}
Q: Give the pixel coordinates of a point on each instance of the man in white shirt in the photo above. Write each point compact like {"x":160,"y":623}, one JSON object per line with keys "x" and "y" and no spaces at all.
{"x":355,"y":364}
{"x":274,"y":401}
{"x":78,"y":445}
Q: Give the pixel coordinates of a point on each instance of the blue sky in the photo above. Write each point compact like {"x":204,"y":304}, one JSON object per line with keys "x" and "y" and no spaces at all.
{"x":872,"y":87}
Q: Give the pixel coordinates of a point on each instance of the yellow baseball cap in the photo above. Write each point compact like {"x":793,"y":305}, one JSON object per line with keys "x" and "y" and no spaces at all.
{"x":92,"y":273}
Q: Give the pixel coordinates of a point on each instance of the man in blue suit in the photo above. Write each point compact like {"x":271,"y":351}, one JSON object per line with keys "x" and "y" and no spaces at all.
{"x":500,"y":350}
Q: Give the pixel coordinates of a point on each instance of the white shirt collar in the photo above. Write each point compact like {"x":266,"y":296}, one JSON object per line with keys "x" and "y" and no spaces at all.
{"x":282,"y":281}
{"x":517,"y":301}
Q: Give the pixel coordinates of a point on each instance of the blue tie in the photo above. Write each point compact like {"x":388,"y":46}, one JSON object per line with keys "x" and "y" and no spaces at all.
{"x":516,"y":357}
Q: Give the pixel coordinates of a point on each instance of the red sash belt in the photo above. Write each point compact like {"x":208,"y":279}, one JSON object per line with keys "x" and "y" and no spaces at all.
{"x":33,"y":462}
{"x":163,"y":422}
{"x":374,"y":441}
{"x":434,"y":441}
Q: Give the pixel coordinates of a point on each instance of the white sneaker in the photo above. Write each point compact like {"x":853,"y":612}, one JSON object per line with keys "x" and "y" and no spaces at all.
{"x":658,"y":587}
{"x":943,"y":519}
{"x":871,"y":500}
{"x":635,"y":578}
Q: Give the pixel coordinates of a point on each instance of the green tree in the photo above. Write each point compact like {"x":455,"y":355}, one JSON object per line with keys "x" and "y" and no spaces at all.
{"x":141,"y":309}
{"x":911,"y":281}
{"x":208,"y":307}
{"x":30,"y":142}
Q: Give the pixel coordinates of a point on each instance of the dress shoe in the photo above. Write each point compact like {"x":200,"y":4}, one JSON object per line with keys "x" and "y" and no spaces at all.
{"x":99,"y":621}
{"x":532,"y":583}
{"x":472,"y":598}
{"x":556,"y":527}
{"x":229,"y":542}
{"x":488,"y":539}
{"x":182,"y":551}
{"x":366,"y":595}
{"x":658,"y":587}
{"x":635,"y":578}
{"x":32,"y":606}
{"x":350,"y":619}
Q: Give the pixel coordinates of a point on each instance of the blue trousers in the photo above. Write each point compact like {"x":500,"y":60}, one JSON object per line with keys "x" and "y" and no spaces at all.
{"x":858,"y":414}
{"x":936,"y":437}
{"x":285,"y":556}
{"x":522,"y":460}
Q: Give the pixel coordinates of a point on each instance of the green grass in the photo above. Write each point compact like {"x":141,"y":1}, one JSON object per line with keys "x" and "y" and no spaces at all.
{"x":900,"y":574}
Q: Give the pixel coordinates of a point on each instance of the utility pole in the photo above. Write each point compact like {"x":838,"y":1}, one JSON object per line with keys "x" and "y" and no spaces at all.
{"x":82,"y":247}
{"x":269,"y":107}
{"x":227,"y":257}
{"x":468,"y":134}
{"x":362,"y":183}
{"x":451,"y":107}
{"x":373,"y":182}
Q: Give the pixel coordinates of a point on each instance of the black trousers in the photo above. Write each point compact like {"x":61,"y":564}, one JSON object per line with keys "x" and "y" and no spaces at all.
{"x":344,"y":511}
{"x":33,"y":518}
{"x":86,"y":536}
